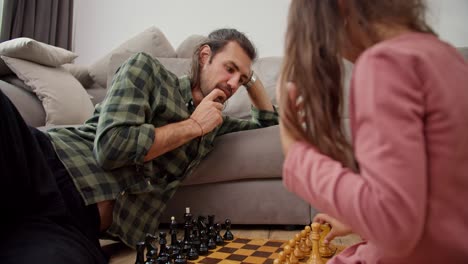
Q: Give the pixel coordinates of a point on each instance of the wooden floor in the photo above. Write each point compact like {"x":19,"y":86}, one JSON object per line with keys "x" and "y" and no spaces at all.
{"x":123,"y":255}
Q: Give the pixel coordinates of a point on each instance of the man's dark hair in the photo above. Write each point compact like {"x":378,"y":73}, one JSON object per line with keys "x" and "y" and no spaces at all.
{"x":217,"y":40}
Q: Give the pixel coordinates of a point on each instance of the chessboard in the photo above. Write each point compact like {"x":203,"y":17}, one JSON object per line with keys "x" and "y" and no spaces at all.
{"x":247,"y":250}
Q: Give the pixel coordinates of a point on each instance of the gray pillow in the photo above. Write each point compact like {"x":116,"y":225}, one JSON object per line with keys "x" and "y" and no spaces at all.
{"x":151,"y":41}
{"x":187,"y":47}
{"x":35,"y":51}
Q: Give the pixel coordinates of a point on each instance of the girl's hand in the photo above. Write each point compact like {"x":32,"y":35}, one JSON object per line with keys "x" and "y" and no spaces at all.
{"x":337,"y":228}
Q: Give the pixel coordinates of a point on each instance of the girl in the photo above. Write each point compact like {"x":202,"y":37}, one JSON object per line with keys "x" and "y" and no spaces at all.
{"x":403,"y":183}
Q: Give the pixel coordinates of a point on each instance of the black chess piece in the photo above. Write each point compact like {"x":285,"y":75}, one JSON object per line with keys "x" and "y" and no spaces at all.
{"x":193,"y":253}
{"x":175,"y":246}
{"x":187,"y":231}
{"x":203,"y":250}
{"x":140,"y":249}
{"x":151,"y":256}
{"x":218,"y":239}
{"x":195,"y":239}
{"x":211,"y":238}
{"x":180,"y":259}
{"x":202,"y":224}
{"x":228,"y":235}
{"x":163,"y":257}
{"x":149,"y":243}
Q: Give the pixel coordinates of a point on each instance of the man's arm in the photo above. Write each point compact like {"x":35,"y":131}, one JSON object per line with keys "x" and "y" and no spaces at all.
{"x":206,"y":117}
{"x":259,"y":97}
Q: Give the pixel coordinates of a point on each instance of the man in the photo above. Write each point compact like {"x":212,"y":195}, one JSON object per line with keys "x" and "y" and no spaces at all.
{"x":117,"y":171}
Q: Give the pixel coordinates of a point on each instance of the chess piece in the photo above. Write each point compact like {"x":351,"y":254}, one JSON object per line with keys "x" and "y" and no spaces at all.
{"x":287,"y":254}
{"x":308,"y":241}
{"x":187,"y":231}
{"x":203,"y":250}
{"x":196,"y":235}
{"x":326,"y":250}
{"x":218,"y":239}
{"x":315,"y":257}
{"x":163,"y":256}
{"x":211,"y":238}
{"x":140,"y":249}
{"x":292,"y":258}
{"x":151,"y":250}
{"x":193,"y":253}
{"x":175,"y":246}
{"x":228,"y":235}
{"x":280,"y":259}
{"x":297,"y":249}
{"x":302,"y":243}
{"x":180,"y":259}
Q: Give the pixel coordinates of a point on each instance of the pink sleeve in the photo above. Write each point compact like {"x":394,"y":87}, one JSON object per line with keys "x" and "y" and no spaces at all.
{"x":386,"y":202}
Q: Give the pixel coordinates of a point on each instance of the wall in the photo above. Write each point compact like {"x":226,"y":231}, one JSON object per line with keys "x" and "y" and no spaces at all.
{"x":101,"y":25}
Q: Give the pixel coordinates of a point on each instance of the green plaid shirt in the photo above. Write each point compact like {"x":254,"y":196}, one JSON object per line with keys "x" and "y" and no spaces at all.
{"x":105,"y":155}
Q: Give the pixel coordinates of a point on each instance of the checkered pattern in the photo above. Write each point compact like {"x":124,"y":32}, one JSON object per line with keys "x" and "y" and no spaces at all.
{"x":243,"y":250}
{"x":105,"y":155}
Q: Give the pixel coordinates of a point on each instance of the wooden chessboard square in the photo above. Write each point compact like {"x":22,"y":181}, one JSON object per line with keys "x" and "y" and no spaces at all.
{"x":257,"y":242}
{"x":209,"y":260}
{"x":261,"y":254}
{"x":251,"y":259}
{"x":236,"y":257}
{"x":245,"y":252}
{"x":227,"y":250}
{"x":236,"y":245}
{"x":219,"y":255}
{"x":274,"y":244}
{"x":267,"y":249}
{"x":251,"y":247}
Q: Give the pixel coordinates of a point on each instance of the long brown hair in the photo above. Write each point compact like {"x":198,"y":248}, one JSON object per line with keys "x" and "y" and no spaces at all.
{"x":313,"y":61}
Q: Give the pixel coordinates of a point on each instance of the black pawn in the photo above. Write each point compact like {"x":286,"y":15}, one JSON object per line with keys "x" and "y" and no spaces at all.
{"x":211,"y":238}
{"x":192,"y":254}
{"x":151,"y":256}
{"x":218,"y":239}
{"x":228,"y":235}
{"x":140,"y":257}
{"x":180,"y":259}
{"x":203,"y":250}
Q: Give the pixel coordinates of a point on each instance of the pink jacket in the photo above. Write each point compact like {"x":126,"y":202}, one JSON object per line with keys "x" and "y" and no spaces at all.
{"x":409,"y":123}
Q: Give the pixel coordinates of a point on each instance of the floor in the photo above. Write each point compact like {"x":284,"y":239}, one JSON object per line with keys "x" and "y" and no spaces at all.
{"x":123,"y":255}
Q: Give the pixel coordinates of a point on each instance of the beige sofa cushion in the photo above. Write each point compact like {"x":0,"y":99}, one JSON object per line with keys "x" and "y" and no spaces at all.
{"x":151,"y":41}
{"x":81,"y":73}
{"x":35,"y":51}
{"x":64,"y":99}
{"x":187,"y":47}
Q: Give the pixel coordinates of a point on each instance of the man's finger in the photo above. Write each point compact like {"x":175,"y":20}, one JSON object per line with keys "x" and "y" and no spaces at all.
{"x":215,"y":94}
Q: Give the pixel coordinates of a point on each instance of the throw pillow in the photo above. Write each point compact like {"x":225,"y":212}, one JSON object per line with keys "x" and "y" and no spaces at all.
{"x":187,"y":47}
{"x":178,"y":66}
{"x":64,"y":99}
{"x":151,"y":41}
{"x":35,"y":51}
{"x":14,"y":80}
{"x":81,"y":73}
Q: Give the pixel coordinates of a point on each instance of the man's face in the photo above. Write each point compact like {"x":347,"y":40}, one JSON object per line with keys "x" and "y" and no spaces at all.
{"x":227,"y":71}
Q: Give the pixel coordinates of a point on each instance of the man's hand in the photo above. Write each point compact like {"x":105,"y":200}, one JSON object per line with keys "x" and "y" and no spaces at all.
{"x":208,"y":113}
{"x":338,"y":228}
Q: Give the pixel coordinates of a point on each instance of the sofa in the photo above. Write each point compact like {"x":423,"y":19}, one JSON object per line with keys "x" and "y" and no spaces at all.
{"x":240,"y":179}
